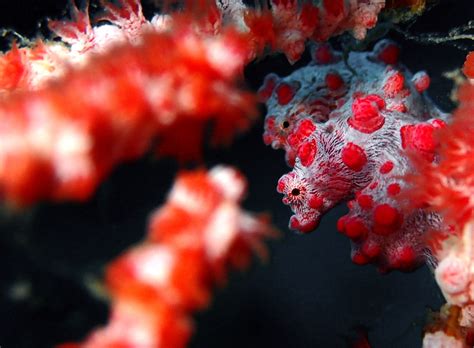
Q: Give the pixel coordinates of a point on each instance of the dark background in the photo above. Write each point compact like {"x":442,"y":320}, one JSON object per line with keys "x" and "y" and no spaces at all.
{"x":308,"y":295}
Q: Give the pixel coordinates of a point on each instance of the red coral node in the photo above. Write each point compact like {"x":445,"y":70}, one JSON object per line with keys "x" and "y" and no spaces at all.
{"x":389,"y":53}
{"x":341,"y":224}
{"x":354,"y":157}
{"x":374,"y":98}
{"x":404,"y":258}
{"x":421,"y":80}
{"x":371,"y":248}
{"x":315,"y":202}
{"x":323,"y":54}
{"x":284,"y":93}
{"x":334,"y":7}
{"x":393,"y":189}
{"x":387,"y":219}
{"x":282,"y":184}
{"x":355,"y":228}
{"x":385,"y":214}
{"x":307,"y":227}
{"x":365,"y":201}
{"x":270,"y":128}
{"x":305,"y":128}
{"x":366,"y":117}
{"x":267,"y":139}
{"x":334,"y":81}
{"x":307,"y":152}
{"x":359,"y":258}
{"x":394,"y":84}
{"x":265,"y":92}
{"x":399,"y":107}
{"x":419,"y":137}
{"x":386,"y":167}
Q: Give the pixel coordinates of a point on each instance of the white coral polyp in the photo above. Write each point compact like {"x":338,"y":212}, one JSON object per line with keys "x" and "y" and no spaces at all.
{"x":229,"y":181}
{"x":441,"y":340}
{"x":154,"y":264}
{"x":221,"y":230}
{"x":106,"y":36}
{"x":467,"y":316}
{"x":452,"y":275}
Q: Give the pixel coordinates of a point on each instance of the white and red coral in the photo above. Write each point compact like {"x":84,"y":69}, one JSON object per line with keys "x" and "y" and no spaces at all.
{"x":60,"y":141}
{"x":285,"y":27}
{"x":440,"y":339}
{"x":193,"y":240}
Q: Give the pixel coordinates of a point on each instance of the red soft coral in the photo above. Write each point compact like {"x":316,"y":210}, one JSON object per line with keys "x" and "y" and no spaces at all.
{"x":60,"y":141}
{"x":448,"y":185}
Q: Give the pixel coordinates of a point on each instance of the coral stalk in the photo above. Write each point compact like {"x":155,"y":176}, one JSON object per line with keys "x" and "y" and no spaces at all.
{"x":193,"y":240}
{"x":446,"y":187}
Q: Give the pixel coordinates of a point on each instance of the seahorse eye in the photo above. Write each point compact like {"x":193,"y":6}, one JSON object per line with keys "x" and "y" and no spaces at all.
{"x":285,"y":124}
{"x":295,"y":192}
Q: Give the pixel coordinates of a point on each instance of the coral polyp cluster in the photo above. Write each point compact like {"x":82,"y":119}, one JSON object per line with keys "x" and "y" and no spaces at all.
{"x":26,"y":68}
{"x":289,"y":23}
{"x":348,"y":129}
{"x":446,"y":187}
{"x":282,"y":26}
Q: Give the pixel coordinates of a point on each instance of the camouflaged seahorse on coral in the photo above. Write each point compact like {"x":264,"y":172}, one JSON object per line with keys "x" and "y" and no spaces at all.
{"x":347,"y":129}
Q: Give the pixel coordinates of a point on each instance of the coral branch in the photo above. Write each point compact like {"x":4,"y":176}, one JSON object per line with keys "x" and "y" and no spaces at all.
{"x":193,"y":240}
{"x":285,"y":27}
{"x":60,"y":141}
{"x":446,"y":187}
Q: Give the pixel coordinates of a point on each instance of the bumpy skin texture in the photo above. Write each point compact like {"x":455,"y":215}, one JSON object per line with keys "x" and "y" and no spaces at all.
{"x":349,"y":136}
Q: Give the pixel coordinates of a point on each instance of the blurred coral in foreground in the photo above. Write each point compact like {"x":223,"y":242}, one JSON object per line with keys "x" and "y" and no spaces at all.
{"x":61,"y":140}
{"x":193,"y":240}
